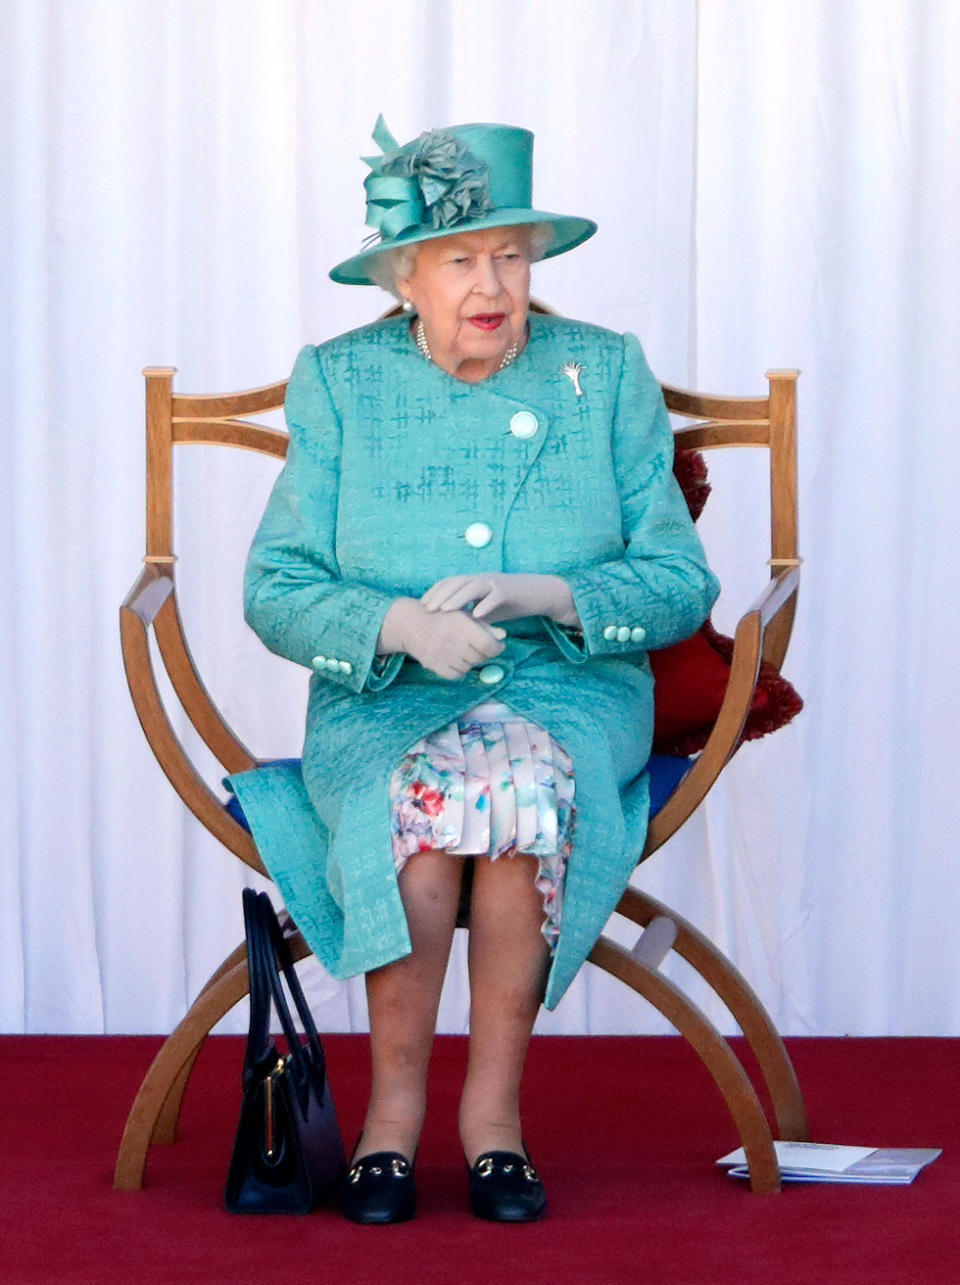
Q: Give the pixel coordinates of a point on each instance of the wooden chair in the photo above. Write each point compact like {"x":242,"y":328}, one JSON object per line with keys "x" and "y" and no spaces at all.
{"x":178,"y":419}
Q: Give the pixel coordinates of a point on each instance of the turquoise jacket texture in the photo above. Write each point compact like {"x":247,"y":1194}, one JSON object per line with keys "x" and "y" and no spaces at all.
{"x":397,"y":475}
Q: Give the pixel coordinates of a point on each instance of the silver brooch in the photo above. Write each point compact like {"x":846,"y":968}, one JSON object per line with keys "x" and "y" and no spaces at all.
{"x":573,"y":370}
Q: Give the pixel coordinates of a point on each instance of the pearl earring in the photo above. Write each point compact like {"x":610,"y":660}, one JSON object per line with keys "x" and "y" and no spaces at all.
{"x":407,"y":305}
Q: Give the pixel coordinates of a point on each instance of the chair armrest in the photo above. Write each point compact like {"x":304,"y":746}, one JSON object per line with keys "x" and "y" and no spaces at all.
{"x":781,"y":587}
{"x":150,"y":591}
{"x":151,"y":594}
{"x":777,"y":606}
{"x":748,"y":650}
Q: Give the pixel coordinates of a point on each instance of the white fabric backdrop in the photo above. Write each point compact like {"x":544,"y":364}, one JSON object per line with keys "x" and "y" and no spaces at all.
{"x":776,"y":185}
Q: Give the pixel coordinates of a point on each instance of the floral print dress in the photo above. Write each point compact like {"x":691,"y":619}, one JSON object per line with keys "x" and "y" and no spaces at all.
{"x":488,"y":784}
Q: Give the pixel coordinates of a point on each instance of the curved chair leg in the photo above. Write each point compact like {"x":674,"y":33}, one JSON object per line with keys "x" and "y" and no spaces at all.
{"x":170,"y":1069}
{"x":165,"y":1129}
{"x":713,"y":1050}
{"x":744,"y":1006}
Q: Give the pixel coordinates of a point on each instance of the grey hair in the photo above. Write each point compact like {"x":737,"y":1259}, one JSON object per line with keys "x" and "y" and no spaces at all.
{"x":385,"y":268}
{"x":401,"y":261}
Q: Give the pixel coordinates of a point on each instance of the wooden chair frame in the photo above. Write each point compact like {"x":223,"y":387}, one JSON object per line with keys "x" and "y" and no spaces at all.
{"x":176,"y":419}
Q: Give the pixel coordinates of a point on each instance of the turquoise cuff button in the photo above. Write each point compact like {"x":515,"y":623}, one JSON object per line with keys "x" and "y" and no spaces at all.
{"x":332,"y":663}
{"x":610,"y":633}
{"x":623,"y":634}
{"x":318,"y":662}
{"x":344,"y":666}
{"x":637,"y":634}
{"x":491,"y":674}
{"x":478,"y":535}
{"x":524,"y":424}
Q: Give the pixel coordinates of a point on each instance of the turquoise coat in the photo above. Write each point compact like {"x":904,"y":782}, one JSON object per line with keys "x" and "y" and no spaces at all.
{"x":391,"y":460}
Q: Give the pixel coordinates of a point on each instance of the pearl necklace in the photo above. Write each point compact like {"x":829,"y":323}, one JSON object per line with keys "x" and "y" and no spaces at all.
{"x":421,"y":339}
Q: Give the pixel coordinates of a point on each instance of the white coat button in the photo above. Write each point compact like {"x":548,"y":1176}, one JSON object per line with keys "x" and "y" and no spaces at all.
{"x":344,"y":666}
{"x":524,"y":424}
{"x":478,"y":535}
{"x":491,"y":674}
{"x":610,"y":633}
{"x":637,"y":634}
{"x":623,"y":634}
{"x":318,"y":662}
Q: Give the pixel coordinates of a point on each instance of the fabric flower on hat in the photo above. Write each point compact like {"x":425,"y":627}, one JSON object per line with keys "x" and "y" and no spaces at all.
{"x":454,"y":184}
{"x":435,"y":182}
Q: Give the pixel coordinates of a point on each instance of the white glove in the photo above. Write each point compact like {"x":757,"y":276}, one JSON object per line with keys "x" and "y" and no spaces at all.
{"x":500,"y":595}
{"x":448,"y":644}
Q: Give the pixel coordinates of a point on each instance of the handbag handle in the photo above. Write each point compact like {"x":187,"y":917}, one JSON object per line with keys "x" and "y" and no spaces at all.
{"x":258,"y":1031}
{"x":276,"y":960}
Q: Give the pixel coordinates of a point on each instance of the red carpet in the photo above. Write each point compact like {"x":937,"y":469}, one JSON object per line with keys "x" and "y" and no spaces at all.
{"x":624,"y":1132}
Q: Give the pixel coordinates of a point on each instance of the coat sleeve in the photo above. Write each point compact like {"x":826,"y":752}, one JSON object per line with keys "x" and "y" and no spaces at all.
{"x":294,"y":596}
{"x":661,"y":589}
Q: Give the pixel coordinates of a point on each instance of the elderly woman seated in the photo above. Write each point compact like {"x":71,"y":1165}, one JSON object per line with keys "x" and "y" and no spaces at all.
{"x":475,"y":540}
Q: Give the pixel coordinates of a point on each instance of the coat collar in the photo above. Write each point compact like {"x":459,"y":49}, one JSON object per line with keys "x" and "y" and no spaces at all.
{"x":537,"y":375}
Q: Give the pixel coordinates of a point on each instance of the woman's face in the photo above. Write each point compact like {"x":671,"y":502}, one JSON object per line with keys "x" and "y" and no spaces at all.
{"x":471,"y":290}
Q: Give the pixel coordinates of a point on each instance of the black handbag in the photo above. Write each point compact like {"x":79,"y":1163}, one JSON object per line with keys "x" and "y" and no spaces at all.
{"x":287,"y":1153}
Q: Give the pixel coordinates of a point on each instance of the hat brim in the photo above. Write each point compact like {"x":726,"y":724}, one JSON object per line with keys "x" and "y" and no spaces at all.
{"x":568,"y":232}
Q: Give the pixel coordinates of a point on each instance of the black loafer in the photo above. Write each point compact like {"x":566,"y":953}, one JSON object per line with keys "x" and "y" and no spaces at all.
{"x":505,"y":1188}
{"x":379,"y":1188}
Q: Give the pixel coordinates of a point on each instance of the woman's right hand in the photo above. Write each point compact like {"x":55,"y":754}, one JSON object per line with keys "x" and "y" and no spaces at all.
{"x":447,"y":643}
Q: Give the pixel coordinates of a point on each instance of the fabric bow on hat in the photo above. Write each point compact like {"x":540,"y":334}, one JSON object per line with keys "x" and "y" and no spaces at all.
{"x":435,"y":182}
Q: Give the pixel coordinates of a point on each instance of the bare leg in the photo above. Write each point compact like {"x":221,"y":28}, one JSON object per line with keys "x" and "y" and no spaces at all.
{"x":508,"y":959}
{"x":403,"y":998}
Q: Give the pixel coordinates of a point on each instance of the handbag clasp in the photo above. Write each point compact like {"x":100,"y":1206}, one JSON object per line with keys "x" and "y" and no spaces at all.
{"x":268,"y":1106}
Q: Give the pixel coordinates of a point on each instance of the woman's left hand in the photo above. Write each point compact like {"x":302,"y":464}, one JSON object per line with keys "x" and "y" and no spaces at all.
{"x":501,"y":595}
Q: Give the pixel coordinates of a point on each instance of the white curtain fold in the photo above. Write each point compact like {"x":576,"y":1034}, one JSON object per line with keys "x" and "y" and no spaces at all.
{"x":776,"y":186}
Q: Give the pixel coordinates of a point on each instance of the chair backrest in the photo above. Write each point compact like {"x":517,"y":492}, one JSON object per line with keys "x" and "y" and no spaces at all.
{"x":178,"y":419}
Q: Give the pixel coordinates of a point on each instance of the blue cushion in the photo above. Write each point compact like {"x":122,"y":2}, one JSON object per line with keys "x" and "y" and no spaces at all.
{"x":666,"y":772}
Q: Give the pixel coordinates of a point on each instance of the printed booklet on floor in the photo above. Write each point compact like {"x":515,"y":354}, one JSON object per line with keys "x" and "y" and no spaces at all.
{"x":828,"y":1162}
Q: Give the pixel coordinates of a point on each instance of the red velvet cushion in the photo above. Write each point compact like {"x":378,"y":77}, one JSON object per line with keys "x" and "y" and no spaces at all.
{"x":691,"y":676}
{"x":690,"y":470}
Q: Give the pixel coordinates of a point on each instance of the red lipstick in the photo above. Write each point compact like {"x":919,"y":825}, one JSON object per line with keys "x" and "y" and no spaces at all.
{"x":487,"y":320}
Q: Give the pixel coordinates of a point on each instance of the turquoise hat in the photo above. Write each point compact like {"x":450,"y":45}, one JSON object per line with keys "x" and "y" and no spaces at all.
{"x":462,"y":179}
